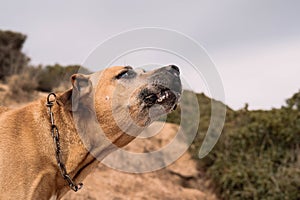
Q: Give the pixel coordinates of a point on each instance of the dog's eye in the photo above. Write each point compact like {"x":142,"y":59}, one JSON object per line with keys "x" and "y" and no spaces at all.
{"x":127,"y":74}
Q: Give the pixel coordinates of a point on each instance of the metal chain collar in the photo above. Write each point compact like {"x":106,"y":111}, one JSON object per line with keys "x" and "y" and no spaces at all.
{"x":55,"y":135}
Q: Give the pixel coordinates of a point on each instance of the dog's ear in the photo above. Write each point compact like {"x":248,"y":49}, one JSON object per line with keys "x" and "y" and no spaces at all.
{"x":81,"y":88}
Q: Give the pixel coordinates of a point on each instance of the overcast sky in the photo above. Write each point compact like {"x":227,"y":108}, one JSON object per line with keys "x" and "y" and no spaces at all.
{"x":255,"y":45}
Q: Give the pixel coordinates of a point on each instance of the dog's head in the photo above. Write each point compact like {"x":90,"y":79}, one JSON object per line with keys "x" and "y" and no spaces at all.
{"x":142,"y":96}
{"x":122,"y":97}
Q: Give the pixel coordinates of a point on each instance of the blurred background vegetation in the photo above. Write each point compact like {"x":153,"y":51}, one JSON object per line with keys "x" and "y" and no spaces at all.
{"x":24,"y":81}
{"x":256,"y":157}
{"x":258,"y":153}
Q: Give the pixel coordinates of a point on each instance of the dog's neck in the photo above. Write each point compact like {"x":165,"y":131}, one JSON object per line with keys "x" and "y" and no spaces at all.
{"x":82,"y":142}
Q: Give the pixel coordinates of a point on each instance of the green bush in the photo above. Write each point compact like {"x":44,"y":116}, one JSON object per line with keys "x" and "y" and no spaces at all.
{"x":252,"y":160}
{"x":257,"y":155}
{"x":53,"y":76}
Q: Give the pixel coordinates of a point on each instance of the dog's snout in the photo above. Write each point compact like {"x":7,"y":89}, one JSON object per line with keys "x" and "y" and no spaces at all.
{"x":174,"y":67}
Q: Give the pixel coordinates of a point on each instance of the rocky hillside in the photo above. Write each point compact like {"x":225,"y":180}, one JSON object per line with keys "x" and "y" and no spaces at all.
{"x":181,"y":180}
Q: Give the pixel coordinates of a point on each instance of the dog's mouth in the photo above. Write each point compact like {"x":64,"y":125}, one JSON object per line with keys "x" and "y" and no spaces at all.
{"x":160,"y":96}
{"x":157,"y":96}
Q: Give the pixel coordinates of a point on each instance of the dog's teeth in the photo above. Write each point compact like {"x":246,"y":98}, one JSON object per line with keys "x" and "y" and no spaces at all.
{"x":161,"y":98}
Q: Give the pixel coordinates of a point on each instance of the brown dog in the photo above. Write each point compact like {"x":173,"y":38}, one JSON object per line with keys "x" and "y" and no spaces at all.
{"x":101,"y":112}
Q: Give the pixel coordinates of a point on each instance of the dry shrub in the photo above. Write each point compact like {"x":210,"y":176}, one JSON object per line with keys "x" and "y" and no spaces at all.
{"x":22,"y":88}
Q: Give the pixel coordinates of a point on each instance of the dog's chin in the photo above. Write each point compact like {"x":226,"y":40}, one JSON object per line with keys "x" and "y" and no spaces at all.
{"x":158,"y":101}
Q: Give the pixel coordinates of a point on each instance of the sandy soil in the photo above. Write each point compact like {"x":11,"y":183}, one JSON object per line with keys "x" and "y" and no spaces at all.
{"x":180,"y":180}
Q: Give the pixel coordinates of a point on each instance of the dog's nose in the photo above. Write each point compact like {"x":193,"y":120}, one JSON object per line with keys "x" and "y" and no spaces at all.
{"x":174,"y":67}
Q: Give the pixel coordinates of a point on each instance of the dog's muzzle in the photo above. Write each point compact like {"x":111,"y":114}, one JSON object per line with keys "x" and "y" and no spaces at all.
{"x":164,"y":88}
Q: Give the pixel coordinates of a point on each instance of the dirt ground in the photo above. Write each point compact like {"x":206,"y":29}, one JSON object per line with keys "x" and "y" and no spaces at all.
{"x":180,"y":180}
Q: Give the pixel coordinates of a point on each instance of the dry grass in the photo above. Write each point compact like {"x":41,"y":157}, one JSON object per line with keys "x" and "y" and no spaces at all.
{"x":20,"y":88}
